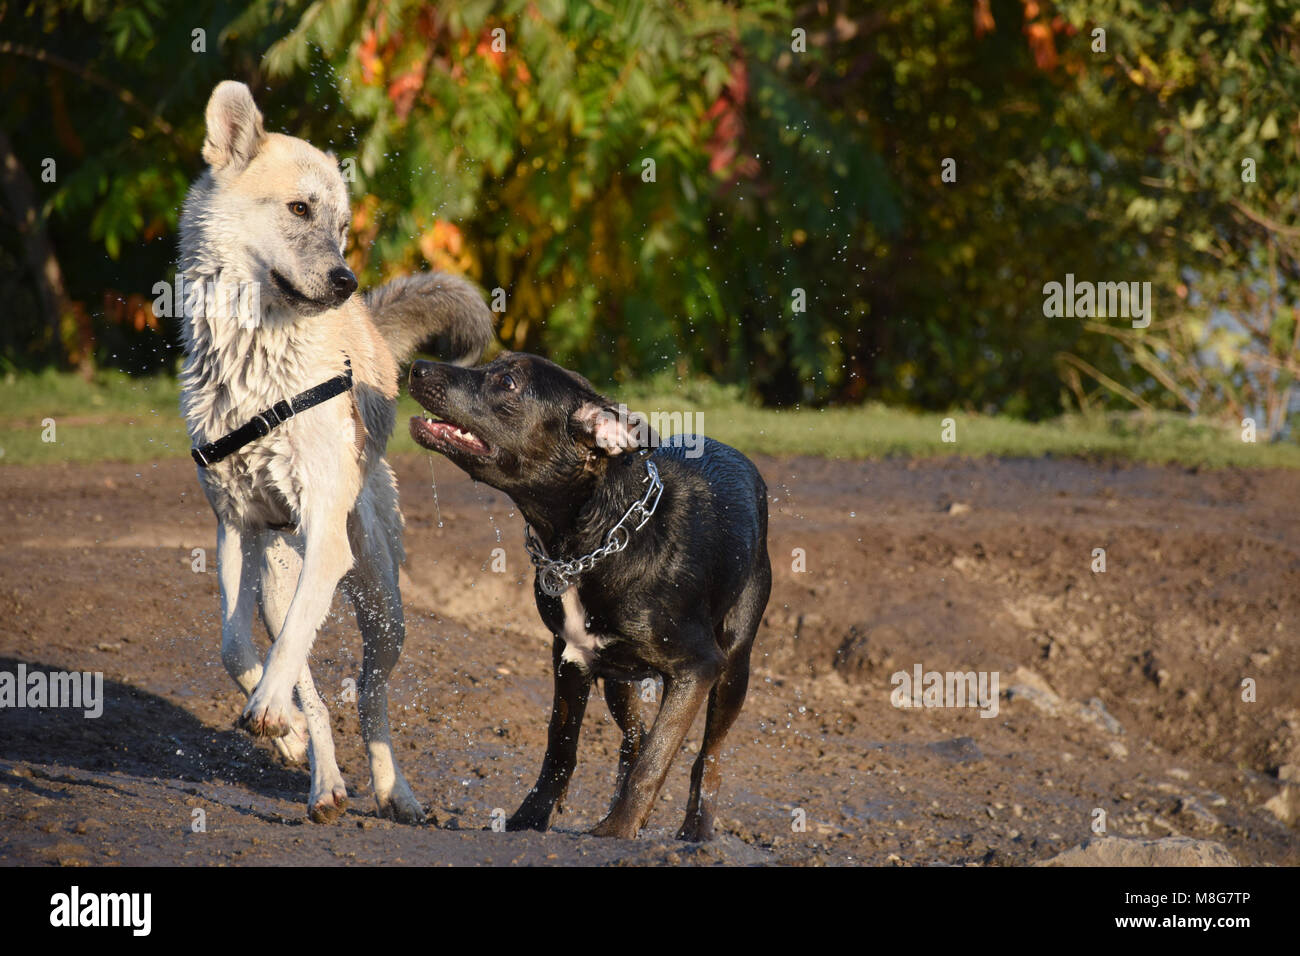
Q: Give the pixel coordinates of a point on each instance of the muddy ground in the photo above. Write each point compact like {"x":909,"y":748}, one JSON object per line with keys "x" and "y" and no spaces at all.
{"x":1120,"y":691}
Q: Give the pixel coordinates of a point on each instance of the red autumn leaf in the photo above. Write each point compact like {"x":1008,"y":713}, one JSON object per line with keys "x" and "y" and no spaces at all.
{"x":403,"y":90}
{"x":495,"y":57}
{"x":727,"y":112}
{"x":1043,"y":45}
{"x":367,"y":55}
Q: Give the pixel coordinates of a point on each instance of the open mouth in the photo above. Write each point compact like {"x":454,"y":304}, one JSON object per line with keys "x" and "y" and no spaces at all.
{"x":445,"y":437}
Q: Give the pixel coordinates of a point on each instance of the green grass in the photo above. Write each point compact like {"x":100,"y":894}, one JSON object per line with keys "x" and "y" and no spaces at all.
{"x":118,"y":418}
{"x":113,"y":418}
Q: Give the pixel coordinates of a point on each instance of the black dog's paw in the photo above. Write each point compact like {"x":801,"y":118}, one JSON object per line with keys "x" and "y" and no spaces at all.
{"x":616,"y":829}
{"x":528,"y":821}
{"x":530,"y":816}
{"x":694,"y":831}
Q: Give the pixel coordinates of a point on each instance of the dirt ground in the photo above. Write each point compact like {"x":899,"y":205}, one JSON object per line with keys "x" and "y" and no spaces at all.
{"x":1120,"y":691}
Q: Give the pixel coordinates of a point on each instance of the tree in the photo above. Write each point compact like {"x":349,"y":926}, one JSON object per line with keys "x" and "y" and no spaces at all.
{"x":1193,"y":107}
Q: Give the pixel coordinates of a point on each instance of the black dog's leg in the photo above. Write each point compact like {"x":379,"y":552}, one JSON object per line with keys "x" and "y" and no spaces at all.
{"x":572,"y":686}
{"x":683,"y":695}
{"x":620,"y":695}
{"x":736,"y":636}
{"x":725,"y":701}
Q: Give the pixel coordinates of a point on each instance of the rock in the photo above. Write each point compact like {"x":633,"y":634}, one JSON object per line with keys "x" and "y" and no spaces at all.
{"x":1031,"y":678}
{"x":1030,"y":686}
{"x":1289,"y":773}
{"x":1192,"y":812}
{"x":1095,"y":712}
{"x":958,"y":508}
{"x":1122,"y":851}
{"x":1281,"y":805}
{"x":1049,"y":705}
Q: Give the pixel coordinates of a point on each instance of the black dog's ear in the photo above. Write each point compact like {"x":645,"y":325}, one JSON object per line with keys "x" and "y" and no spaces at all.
{"x":611,"y":428}
{"x":235,"y":131}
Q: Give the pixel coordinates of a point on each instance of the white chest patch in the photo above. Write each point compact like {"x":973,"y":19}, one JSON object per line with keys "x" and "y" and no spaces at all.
{"x":580,"y":645}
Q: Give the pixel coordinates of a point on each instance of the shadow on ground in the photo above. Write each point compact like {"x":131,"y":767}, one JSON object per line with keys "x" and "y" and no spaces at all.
{"x":165,"y":741}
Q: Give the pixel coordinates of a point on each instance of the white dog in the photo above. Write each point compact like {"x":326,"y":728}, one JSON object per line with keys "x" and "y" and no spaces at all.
{"x":289,"y":392}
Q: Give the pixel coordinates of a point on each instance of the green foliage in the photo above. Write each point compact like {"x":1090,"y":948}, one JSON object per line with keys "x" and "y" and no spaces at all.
{"x":509,"y":140}
{"x":1185,"y":99}
{"x":775,"y":171}
{"x":119,"y":109}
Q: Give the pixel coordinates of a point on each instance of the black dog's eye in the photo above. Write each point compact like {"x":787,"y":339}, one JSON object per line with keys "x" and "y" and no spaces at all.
{"x":299,"y":209}
{"x":508,"y":382}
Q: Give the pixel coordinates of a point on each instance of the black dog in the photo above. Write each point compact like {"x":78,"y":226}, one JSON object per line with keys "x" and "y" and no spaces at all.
{"x":650,"y":561}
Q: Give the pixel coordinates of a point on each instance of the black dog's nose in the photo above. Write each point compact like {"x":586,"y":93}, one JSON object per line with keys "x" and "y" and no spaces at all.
{"x":421,"y":368}
{"x":342,"y":282}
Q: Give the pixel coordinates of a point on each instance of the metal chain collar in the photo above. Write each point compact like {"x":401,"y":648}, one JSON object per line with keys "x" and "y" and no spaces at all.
{"x":556,"y":577}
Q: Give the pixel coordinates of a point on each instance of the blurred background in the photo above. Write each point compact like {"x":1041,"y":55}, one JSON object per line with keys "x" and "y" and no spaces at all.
{"x":795,"y":146}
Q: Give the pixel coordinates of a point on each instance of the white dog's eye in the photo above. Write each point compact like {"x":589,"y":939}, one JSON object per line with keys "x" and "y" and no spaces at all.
{"x":299,"y":208}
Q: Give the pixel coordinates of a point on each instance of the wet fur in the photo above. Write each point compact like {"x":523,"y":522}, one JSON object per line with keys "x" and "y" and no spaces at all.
{"x":313,"y":504}
{"x":683,"y":601}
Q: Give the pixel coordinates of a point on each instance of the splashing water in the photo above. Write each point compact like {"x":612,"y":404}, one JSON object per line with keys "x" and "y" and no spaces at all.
{"x":491,"y":518}
{"x":433,"y":483}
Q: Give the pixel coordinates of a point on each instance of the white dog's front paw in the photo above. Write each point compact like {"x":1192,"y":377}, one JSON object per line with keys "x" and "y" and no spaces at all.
{"x":400,"y":804}
{"x":265,"y":715}
{"x":327,"y":802}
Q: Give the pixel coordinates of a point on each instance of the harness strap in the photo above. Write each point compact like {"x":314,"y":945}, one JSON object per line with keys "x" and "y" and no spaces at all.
{"x":279,"y":413}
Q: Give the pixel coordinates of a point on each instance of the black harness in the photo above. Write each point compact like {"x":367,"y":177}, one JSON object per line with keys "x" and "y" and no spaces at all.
{"x":279,"y":413}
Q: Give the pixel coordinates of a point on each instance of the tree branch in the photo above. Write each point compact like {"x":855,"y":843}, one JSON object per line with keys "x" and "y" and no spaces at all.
{"x":89,"y":76}
{"x":1291,"y":232}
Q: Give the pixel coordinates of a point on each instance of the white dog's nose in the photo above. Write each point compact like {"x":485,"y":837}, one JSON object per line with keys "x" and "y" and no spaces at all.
{"x":342,"y":282}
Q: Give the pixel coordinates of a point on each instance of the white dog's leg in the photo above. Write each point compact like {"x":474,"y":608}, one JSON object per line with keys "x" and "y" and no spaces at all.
{"x":237,"y":572}
{"x":329,"y":794}
{"x":327,"y":557}
{"x":281,"y":568}
{"x":372,"y":585}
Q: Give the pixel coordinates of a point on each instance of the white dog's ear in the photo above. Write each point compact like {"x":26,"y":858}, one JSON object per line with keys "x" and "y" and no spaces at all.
{"x":612,"y":429}
{"x":235,"y":131}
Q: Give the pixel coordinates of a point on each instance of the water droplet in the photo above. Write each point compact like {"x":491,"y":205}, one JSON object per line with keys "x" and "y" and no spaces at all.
{"x":433,"y":483}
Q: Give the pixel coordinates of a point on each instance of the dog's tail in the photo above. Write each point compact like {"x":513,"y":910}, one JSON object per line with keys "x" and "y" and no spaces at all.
{"x":415,"y":309}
